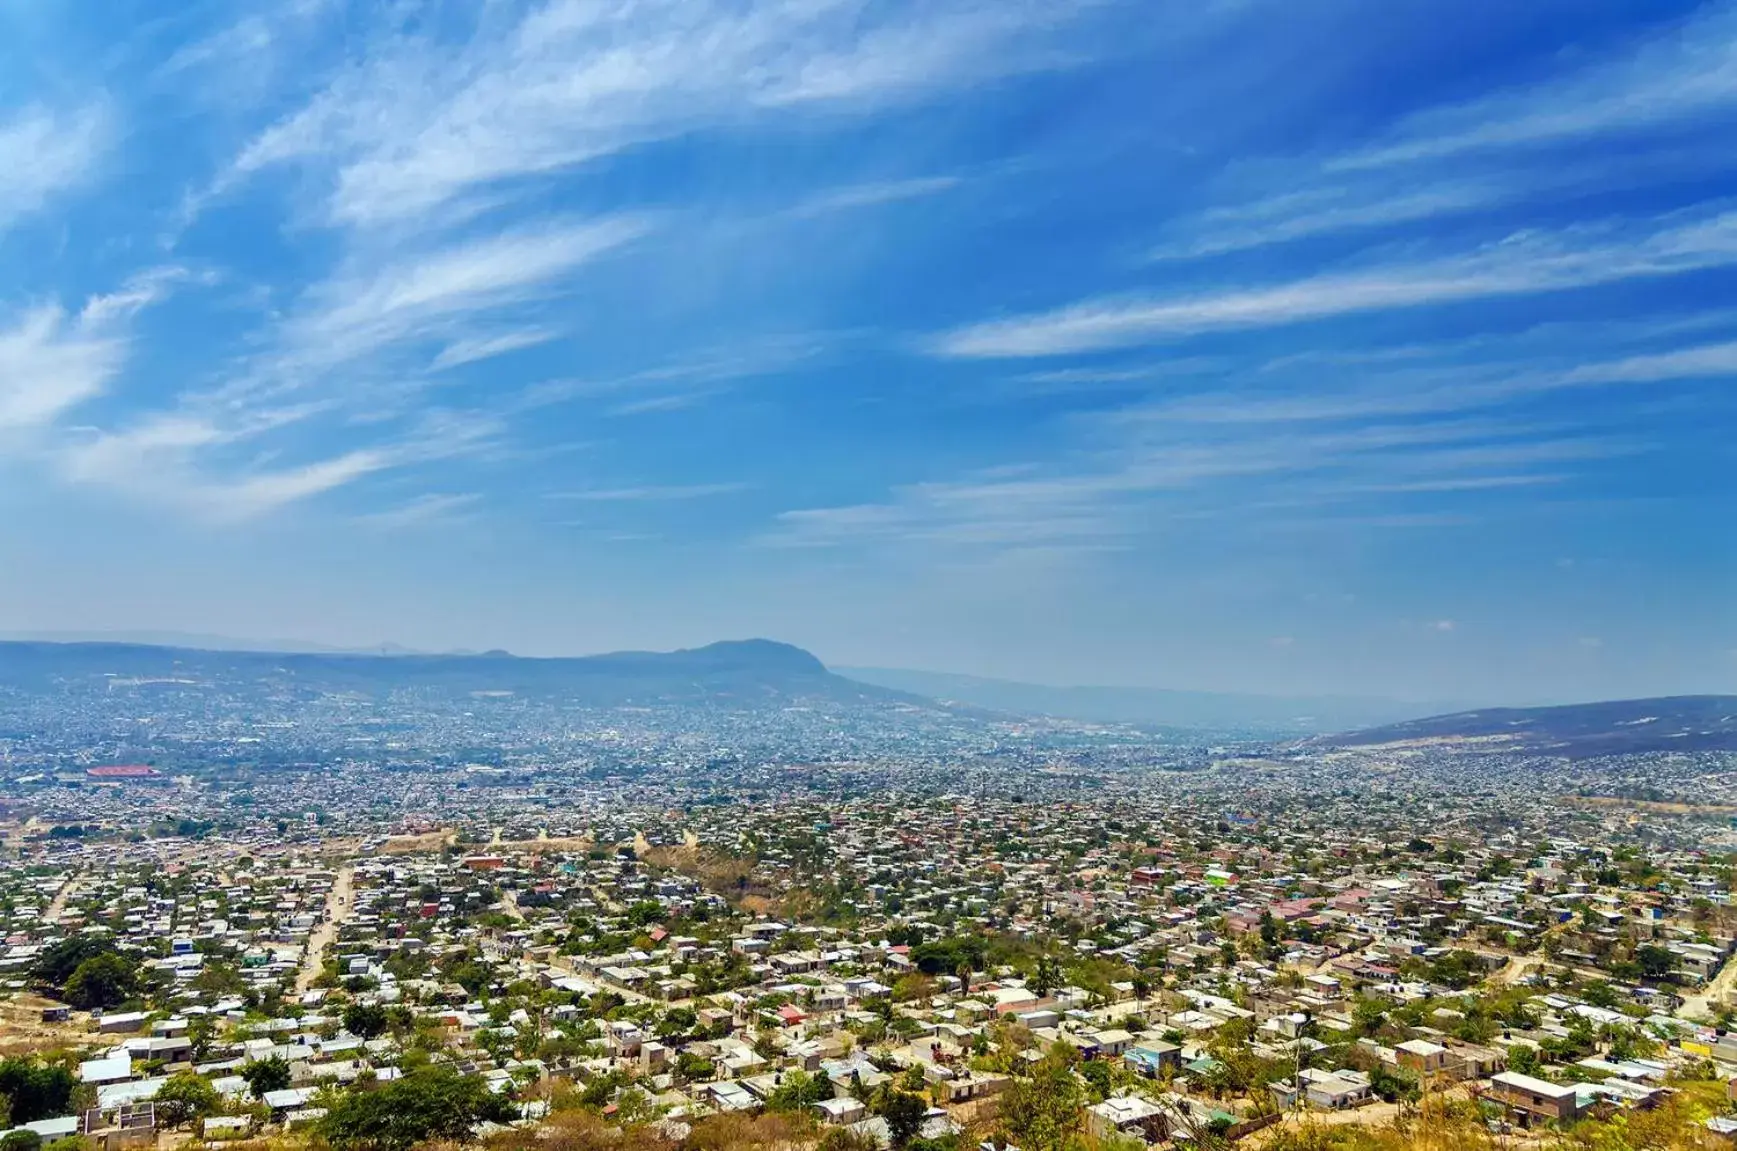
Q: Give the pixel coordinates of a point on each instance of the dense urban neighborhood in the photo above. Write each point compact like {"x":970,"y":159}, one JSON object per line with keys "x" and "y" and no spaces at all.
{"x":680,"y":927}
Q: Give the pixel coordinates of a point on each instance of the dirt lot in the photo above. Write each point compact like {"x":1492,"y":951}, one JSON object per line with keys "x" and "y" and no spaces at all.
{"x":413,"y":844}
{"x":22,"y":1029}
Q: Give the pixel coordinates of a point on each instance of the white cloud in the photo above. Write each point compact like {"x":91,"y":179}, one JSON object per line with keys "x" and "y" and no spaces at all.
{"x":52,"y":361}
{"x":1526,"y":264}
{"x":1451,"y":386}
{"x":249,"y":496}
{"x":469,"y":351}
{"x":421,"y":297}
{"x":1150,"y":481}
{"x":1443,"y":625}
{"x":1297,"y":216}
{"x":649,"y":492}
{"x":424,"y":510}
{"x":873,"y":195}
{"x":1686,"y":78}
{"x":418,"y":126}
{"x":186,"y":458}
{"x":43,"y":153}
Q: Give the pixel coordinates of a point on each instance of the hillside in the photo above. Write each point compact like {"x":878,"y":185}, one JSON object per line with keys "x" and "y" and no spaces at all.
{"x":1149,"y":707}
{"x":742,"y":673}
{"x":1577,"y":731}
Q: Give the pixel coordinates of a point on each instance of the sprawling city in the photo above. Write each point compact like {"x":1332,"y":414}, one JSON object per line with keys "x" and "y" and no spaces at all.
{"x":840,"y":917}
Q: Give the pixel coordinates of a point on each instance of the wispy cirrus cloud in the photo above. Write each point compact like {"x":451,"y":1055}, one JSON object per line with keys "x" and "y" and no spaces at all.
{"x":432,"y":294}
{"x":470,"y":350}
{"x":1145,"y":480}
{"x":875,"y":194}
{"x":420,"y":123}
{"x":1685,"y":78}
{"x":1433,"y":389}
{"x":45,"y":152}
{"x":205,"y":462}
{"x":650,"y":492}
{"x":52,"y":360}
{"x":1526,"y":264}
{"x":1329,"y":210}
{"x":431,"y":508}
{"x":680,"y":383}
{"x":418,"y":147}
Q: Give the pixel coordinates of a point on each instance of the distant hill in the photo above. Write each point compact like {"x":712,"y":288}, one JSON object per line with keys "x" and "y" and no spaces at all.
{"x":744,"y":673}
{"x":1152,"y":707}
{"x":201,"y":641}
{"x":1576,"y":731}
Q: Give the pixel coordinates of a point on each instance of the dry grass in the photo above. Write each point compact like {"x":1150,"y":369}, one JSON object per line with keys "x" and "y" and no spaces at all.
{"x":413,"y":844}
{"x":22,"y":1030}
{"x":586,"y":1131}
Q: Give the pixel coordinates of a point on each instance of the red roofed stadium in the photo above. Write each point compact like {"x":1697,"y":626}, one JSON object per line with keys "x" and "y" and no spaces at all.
{"x":122,"y":771}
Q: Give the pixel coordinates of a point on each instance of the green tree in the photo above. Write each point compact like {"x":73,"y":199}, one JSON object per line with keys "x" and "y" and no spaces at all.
{"x":35,"y":1089}
{"x":1043,"y":1111}
{"x":185,"y":1097}
{"x":365,"y":1019}
{"x":676,"y":1022}
{"x":201,"y":1033}
{"x":1523,"y":1059}
{"x":844,"y":1139}
{"x":102,"y":981}
{"x":21,"y":1139}
{"x":798,"y":1091}
{"x":269,"y":1074}
{"x":57,"y":962}
{"x":903,"y":1113}
{"x":1655,"y":962}
{"x":1367,"y":1016}
{"x":1047,"y":977}
{"x":1392,"y":1086}
{"x":1270,"y":939}
{"x":1098,"y":1079}
{"x":428,"y":1103}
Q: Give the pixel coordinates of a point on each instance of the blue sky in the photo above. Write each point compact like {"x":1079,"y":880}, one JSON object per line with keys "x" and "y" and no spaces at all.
{"x":1346,"y":346}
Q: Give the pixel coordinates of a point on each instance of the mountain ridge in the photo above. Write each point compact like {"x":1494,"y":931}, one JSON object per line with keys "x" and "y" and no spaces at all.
{"x":1143,"y":706}
{"x":751,"y":670}
{"x":1576,"y":731}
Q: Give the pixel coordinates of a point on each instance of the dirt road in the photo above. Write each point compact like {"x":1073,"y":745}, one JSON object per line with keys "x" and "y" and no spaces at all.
{"x":57,"y":905}
{"x":1517,"y":969}
{"x":1704,"y":1002}
{"x":338,"y":904}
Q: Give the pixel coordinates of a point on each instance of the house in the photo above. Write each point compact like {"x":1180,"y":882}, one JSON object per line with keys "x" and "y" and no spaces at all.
{"x":1128,"y":1115}
{"x":1531,"y":1101}
{"x":1325,"y":1090}
{"x":1425,"y":1059}
{"x":841,"y":1110}
{"x":288,"y":1099}
{"x":1113,"y":1043}
{"x":1152,"y":1058}
{"x":110,"y":1069}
